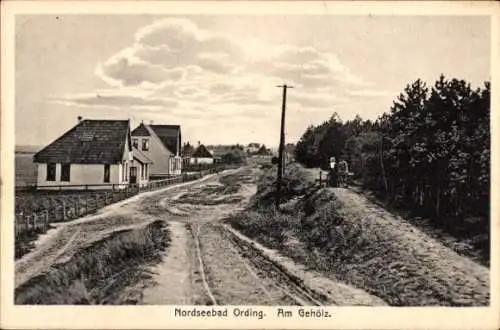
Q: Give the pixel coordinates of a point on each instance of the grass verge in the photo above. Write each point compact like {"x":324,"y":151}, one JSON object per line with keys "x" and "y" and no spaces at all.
{"x":26,"y":242}
{"x":101,"y":272}
{"x":339,"y":234}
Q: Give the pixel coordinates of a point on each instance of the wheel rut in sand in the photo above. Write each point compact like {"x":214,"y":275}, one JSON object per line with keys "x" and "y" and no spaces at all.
{"x":173,"y":275}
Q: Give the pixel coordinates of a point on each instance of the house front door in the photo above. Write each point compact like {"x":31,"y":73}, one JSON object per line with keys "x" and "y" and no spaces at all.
{"x":133,"y":175}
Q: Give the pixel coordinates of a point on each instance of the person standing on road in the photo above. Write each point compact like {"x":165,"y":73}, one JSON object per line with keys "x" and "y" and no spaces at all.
{"x":343,"y":171}
{"x":332,"y":182}
{"x":332,"y":163}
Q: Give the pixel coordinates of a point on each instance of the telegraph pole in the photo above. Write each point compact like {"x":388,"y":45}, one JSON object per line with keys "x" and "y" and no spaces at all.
{"x":281,"y":147}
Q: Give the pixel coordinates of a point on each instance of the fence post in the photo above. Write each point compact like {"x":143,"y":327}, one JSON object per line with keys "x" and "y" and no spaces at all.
{"x":50,"y":206}
{"x":46,"y":219}
{"x":64,"y":210}
{"x":27,"y":218}
{"x":34,"y":221}
{"x":17,"y":227}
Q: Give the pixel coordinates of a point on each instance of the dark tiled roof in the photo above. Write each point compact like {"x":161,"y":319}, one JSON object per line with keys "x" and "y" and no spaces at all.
{"x":170,"y":136}
{"x":202,"y":152}
{"x":140,"y":130}
{"x":89,"y":142}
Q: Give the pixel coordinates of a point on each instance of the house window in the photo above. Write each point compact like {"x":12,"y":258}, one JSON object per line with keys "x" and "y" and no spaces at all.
{"x":106,"y":173}
{"x":51,"y":172}
{"x":145,"y":144}
{"x":65,"y":172}
{"x":135,"y":143}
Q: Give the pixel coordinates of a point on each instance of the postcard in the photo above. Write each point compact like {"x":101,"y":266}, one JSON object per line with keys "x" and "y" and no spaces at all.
{"x":250,"y":165}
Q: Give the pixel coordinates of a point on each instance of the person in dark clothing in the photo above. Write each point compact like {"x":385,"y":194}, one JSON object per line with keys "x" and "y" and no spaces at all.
{"x":342,"y":172}
{"x":333,"y":174}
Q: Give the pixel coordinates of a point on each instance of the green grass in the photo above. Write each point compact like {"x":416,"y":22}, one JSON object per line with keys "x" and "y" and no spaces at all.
{"x":99,"y":273}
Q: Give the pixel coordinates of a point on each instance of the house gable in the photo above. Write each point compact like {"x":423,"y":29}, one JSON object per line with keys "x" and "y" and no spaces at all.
{"x":170,"y":136}
{"x":202,"y":152}
{"x":141,"y":130}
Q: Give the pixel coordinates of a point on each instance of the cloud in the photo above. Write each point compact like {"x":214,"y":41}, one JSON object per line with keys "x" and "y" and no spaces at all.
{"x":163,"y":51}
{"x":305,"y":67}
{"x":125,"y":69}
{"x":203,"y":76}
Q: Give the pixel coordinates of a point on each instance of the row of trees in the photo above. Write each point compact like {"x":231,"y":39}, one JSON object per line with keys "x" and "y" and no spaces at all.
{"x":431,"y":153}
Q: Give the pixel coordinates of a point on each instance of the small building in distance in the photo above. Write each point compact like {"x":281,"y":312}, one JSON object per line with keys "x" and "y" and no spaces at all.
{"x":162,"y":145}
{"x":94,"y":154}
{"x":252,"y":148}
{"x":229,"y":154}
{"x":201,"y":156}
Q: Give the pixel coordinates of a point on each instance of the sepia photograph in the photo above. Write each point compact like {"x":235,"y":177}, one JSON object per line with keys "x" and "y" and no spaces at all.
{"x":204,"y":160}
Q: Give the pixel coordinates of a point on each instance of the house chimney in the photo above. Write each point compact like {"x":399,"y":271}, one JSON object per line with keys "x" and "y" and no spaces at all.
{"x":199,"y":143}
{"x":80,"y":118}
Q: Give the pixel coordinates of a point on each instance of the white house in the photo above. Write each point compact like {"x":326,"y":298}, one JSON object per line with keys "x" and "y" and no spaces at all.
{"x":201,"y":156}
{"x":140,"y":168}
{"x":94,"y":154}
{"x":162,"y":145}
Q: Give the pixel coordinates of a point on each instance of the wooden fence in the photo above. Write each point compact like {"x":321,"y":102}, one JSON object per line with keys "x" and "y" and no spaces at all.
{"x":199,"y":167}
{"x":34,"y":213}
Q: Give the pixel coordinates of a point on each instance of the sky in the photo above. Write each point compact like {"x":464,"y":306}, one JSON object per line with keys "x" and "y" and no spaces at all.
{"x":217,"y":76}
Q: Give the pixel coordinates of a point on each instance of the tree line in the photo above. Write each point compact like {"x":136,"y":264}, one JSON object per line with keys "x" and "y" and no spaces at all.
{"x":430,"y":153}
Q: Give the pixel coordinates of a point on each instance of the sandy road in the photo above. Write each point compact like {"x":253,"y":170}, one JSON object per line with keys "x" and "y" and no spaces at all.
{"x":202,"y":265}
{"x":206,"y":262}
{"x":62,"y":242}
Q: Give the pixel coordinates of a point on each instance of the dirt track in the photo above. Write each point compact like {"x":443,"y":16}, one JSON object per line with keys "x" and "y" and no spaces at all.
{"x":204,"y":264}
